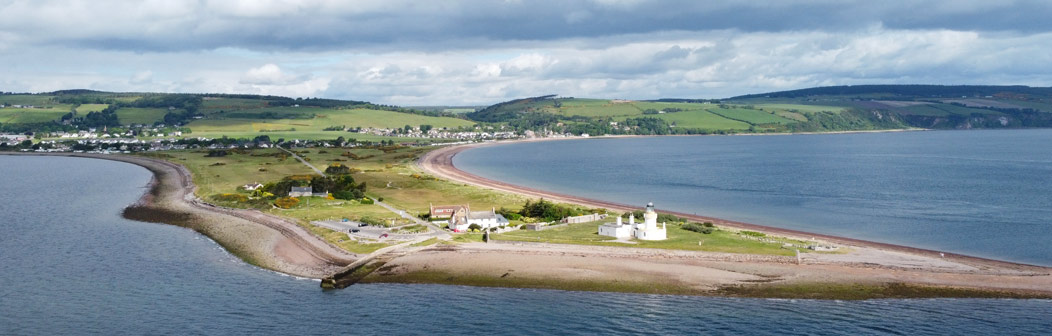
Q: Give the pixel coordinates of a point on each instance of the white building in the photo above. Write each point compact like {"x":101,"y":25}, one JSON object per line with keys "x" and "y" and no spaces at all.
{"x":464,"y":218}
{"x":648,"y":230}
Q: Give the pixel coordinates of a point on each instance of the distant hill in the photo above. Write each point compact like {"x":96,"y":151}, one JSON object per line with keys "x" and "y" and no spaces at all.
{"x":835,"y":108}
{"x":212,"y":115}
{"x":911,"y":91}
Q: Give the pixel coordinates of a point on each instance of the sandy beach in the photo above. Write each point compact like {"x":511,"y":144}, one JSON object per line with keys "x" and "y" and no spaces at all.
{"x":261,"y":239}
{"x":867,"y":263}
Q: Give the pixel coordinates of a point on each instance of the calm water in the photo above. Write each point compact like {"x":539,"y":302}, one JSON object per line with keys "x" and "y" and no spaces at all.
{"x":71,"y":265}
{"x":983,"y":193}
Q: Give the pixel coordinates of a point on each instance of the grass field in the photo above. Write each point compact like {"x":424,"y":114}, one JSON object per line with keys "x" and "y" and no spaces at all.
{"x":213,"y":104}
{"x":86,"y":108}
{"x":702,"y":120}
{"x":751,"y":116}
{"x":145,"y":116}
{"x":597,"y":108}
{"x":35,"y":100}
{"x":315,"y":120}
{"x":10,"y":115}
{"x":678,"y":239}
{"x":801,"y":108}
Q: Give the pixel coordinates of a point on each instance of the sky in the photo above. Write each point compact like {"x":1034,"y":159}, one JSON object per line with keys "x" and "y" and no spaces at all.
{"x":479,"y":52}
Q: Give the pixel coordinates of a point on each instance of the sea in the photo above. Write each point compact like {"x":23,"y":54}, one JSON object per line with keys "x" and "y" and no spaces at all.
{"x":985,"y":193}
{"x":70,"y":264}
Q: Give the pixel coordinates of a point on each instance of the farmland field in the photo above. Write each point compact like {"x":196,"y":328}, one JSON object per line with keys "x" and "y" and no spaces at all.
{"x":10,"y":115}
{"x":750,"y":116}
{"x":801,"y":108}
{"x":145,"y":116}
{"x":212,"y":104}
{"x":597,"y":108}
{"x":702,"y":120}
{"x":35,"y":100}
{"x":86,"y":108}
{"x":310,"y":122}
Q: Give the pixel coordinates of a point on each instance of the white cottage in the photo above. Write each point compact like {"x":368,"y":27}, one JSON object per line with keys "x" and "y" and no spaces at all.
{"x":648,"y":230}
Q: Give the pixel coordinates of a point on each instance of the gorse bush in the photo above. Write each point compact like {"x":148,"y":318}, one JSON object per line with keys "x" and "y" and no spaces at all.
{"x":699,"y":228}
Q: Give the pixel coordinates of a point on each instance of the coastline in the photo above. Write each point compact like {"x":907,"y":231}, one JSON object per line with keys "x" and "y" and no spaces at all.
{"x":259,"y":239}
{"x":878,"y":268}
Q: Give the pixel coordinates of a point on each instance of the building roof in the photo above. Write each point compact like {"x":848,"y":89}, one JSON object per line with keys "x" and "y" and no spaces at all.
{"x":302,"y":189}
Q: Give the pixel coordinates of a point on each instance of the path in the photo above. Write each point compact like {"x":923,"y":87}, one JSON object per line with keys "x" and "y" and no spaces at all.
{"x":303,"y":161}
{"x":436,"y":231}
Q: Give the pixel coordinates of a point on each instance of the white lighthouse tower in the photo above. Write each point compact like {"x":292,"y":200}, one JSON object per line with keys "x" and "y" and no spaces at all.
{"x":650,"y":230}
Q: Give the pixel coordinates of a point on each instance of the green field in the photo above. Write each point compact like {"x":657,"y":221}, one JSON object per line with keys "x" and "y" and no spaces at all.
{"x":213,"y":104}
{"x":678,"y":239}
{"x":144,"y":116}
{"x":596,"y":108}
{"x":701,"y":119}
{"x":751,"y":116}
{"x":10,"y":115}
{"x":310,"y":122}
{"x":87,"y":108}
{"x":35,"y":100}
{"x":801,"y":108}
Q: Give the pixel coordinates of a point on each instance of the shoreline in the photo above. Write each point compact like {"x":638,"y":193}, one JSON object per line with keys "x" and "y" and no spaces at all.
{"x":879,"y":268}
{"x":439,"y":162}
{"x":260,"y":239}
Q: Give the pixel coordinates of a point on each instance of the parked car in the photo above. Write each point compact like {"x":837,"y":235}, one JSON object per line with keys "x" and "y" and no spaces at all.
{"x":383,"y":236}
{"x":355,"y":230}
{"x":363,"y":224}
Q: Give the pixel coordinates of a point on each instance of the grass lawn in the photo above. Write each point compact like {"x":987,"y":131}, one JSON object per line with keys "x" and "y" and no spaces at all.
{"x":145,"y":116}
{"x":679,"y":239}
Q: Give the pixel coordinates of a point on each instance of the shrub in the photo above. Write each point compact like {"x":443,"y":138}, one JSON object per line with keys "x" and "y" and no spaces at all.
{"x":752,"y":233}
{"x":366,"y":200}
{"x":286,"y":202}
{"x":380,"y":199}
{"x":336,"y":169}
{"x":474,"y":227}
{"x":699,"y":228}
{"x":492,"y":229}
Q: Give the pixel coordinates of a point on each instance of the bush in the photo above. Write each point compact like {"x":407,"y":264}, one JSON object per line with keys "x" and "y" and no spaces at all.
{"x":474,"y":227}
{"x":366,"y":200}
{"x":492,"y":229}
{"x":699,"y":228}
{"x":380,"y":199}
{"x":286,"y":202}
{"x":752,"y":233}
{"x":336,"y":169}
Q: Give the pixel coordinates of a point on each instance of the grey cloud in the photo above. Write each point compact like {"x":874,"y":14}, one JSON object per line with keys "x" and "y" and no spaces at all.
{"x":444,"y":25}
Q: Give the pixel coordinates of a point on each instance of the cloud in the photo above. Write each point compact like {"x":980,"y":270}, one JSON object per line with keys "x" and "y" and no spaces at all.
{"x":481,"y":52}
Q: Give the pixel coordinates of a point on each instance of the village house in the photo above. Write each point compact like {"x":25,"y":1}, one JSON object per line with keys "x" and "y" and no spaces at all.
{"x":460,"y":217}
{"x":252,"y":186}
{"x":648,"y":230}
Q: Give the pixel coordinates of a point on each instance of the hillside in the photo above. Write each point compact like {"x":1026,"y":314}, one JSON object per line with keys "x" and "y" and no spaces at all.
{"x":841,"y":108}
{"x":209,"y":115}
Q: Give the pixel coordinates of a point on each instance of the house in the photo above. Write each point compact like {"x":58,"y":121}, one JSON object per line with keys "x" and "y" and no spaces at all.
{"x":463,"y":218}
{"x":441,"y":214}
{"x":648,"y":230}
{"x":252,"y":186}
{"x":301,"y":191}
